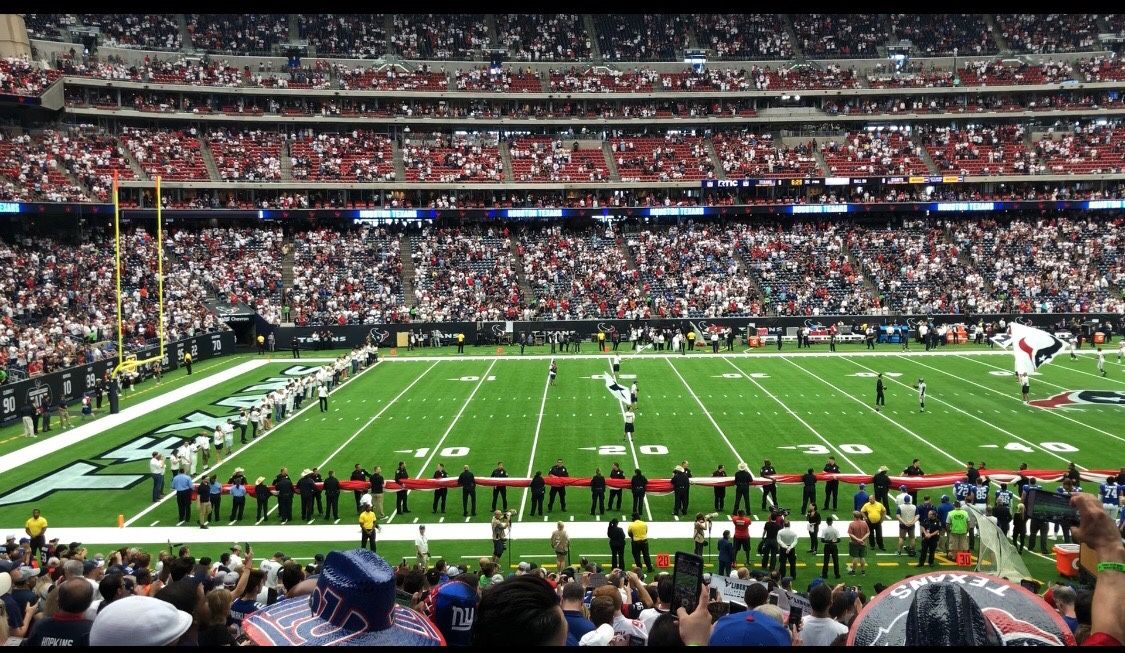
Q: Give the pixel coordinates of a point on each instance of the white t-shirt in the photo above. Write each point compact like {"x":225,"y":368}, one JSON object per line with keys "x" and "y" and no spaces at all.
{"x":421,"y":544}
{"x":820,"y":631}
{"x":156,"y":465}
{"x":202,"y":442}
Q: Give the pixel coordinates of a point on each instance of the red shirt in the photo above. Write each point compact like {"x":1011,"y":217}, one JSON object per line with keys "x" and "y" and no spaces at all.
{"x":741,"y":527}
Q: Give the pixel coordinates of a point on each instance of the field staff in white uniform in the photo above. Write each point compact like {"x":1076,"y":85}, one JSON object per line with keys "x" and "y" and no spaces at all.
{"x":630,"y":418}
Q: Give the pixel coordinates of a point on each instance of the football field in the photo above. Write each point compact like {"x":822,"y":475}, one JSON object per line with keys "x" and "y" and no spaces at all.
{"x":794,"y":409}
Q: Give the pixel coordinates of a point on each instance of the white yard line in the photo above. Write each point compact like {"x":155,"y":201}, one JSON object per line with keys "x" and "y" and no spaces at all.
{"x":242,"y":449}
{"x":88,"y":430}
{"x":457,"y":417}
{"x":881,"y":414}
{"x":798,"y":418}
{"x":535,"y":442}
{"x":376,"y":416}
{"x":632,"y":447}
{"x":933,"y":398}
{"x":707,"y":414}
{"x":1056,"y":366}
{"x":1015,"y":398}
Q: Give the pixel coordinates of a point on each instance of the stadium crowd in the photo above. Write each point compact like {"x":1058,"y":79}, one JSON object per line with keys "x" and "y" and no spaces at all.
{"x":58,"y":593}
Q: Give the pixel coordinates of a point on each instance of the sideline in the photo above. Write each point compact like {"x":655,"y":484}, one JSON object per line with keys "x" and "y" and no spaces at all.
{"x":88,"y":430}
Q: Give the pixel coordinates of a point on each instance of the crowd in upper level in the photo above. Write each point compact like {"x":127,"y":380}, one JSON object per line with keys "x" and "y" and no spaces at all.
{"x":618,"y":37}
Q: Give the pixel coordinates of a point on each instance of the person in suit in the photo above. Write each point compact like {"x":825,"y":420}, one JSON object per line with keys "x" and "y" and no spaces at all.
{"x":616,"y":536}
{"x":468,"y":483}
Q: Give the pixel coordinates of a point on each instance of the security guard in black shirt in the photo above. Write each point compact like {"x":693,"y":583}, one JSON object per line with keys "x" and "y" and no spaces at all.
{"x":771,"y":489}
{"x":720,"y":490}
{"x":468,"y":483}
{"x":332,"y":494}
{"x":913,"y":470}
{"x":400,"y":497}
{"x":441,"y":493}
{"x":558,"y":470}
{"x":808,"y":494}
{"x":742,"y":481}
{"x":284,"y":487}
{"x":500,"y":491}
{"x":680,"y":483}
{"x":638,"y":484}
{"x":358,"y":474}
{"x":597,"y":493}
{"x":317,"y":478}
{"x":615,"y":493}
{"x":538,"y":490}
{"x":831,"y":488}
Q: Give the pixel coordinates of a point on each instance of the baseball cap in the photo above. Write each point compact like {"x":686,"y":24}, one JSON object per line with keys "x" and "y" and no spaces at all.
{"x":116,"y":625}
{"x":451,"y":607}
{"x":88,"y":566}
{"x":230,"y":579}
{"x":748,"y":629}
{"x":523,"y":568}
{"x":453,"y":571}
{"x":353,"y":605}
{"x":25,"y":540}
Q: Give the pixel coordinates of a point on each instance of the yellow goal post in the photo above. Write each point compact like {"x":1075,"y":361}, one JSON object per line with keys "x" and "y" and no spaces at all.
{"x":128,"y":363}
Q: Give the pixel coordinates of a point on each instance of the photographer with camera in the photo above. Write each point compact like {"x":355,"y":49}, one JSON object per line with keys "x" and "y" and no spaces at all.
{"x":501,"y":522}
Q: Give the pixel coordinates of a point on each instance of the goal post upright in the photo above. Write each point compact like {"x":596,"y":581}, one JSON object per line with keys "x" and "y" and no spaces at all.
{"x":133,"y":362}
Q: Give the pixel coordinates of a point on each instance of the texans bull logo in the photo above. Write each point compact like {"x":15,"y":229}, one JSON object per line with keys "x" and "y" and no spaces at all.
{"x":1042,"y":354}
{"x":607,"y":328}
{"x":1074,"y":398}
{"x":497,"y":329}
{"x":380,"y":335}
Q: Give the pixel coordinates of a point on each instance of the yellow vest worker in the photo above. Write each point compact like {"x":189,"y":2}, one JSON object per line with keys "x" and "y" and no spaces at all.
{"x":261,"y":345}
{"x":460,"y":343}
{"x":187,"y":362}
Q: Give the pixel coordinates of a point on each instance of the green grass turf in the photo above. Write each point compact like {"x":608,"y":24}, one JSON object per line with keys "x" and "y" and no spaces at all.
{"x":793,"y":410}
{"x":889,"y":569}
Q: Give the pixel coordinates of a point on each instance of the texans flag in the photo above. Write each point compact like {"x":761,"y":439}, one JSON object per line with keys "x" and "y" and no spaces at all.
{"x":1032,"y":347}
{"x":616,"y":389}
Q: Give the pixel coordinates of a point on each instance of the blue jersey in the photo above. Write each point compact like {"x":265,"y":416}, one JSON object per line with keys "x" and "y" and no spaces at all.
{"x":860,"y":499}
{"x":1003,"y":498}
{"x":982,"y":493}
{"x":962,"y":490}
{"x":1111,"y":493}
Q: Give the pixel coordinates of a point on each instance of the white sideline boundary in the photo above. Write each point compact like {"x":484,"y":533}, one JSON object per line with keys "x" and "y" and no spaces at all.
{"x":627,"y":355}
{"x":88,"y":430}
